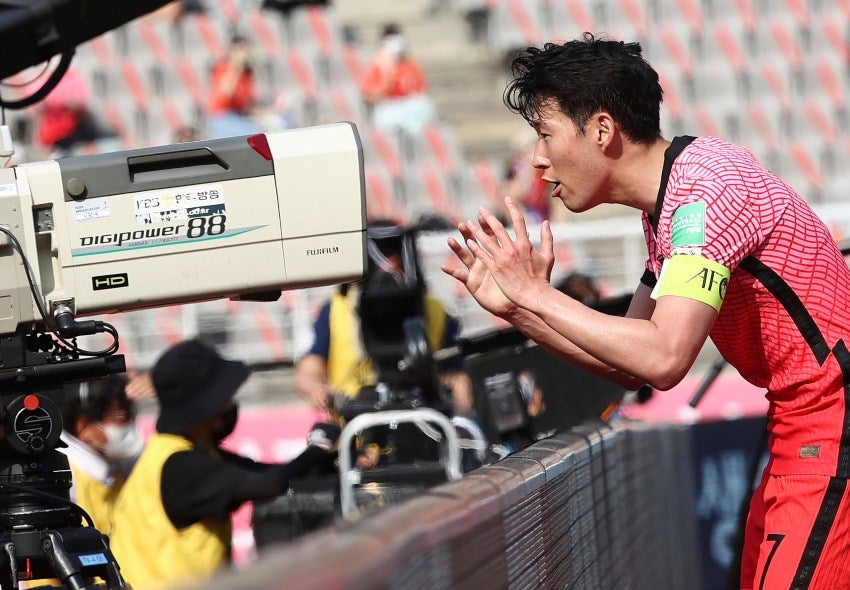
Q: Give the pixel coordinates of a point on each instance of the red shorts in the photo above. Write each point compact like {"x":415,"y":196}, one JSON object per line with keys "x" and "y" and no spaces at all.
{"x":798,"y":534}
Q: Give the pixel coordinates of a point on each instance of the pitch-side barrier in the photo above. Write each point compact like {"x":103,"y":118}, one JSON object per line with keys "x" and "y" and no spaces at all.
{"x":599,"y":506}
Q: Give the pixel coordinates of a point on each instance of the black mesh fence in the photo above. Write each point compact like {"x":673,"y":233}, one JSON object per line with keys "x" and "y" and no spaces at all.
{"x":598,"y":507}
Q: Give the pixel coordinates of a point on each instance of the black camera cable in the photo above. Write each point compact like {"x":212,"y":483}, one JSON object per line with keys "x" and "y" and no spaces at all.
{"x":50,"y":497}
{"x":96,"y":326}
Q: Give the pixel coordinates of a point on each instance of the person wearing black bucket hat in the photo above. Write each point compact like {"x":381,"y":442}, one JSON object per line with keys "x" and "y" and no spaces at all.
{"x":172,"y":519}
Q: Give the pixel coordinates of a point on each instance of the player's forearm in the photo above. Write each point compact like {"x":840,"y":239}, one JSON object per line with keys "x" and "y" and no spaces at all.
{"x":548,"y":338}
{"x":636,"y":348}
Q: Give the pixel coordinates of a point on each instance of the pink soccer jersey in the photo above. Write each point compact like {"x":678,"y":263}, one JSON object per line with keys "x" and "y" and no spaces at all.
{"x":785,"y":318}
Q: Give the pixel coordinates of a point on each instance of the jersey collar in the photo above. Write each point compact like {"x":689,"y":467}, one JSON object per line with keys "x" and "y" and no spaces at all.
{"x":670,"y":154}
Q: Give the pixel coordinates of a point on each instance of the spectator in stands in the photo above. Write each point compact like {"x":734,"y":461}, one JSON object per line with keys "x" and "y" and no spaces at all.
{"x":235,"y":107}
{"x":233,"y":95}
{"x":64,"y":119}
{"x":394,"y":86}
{"x":734,"y":253}
{"x":172,"y":519}
{"x":103,"y":444}
{"x":337,"y":364}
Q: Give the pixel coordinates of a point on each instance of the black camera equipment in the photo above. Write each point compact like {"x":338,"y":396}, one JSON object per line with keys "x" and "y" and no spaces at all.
{"x":391,"y":310}
{"x":391,"y":313}
{"x":41,"y":530}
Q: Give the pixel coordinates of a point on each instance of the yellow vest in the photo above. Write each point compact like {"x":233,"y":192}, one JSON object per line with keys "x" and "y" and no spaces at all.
{"x":348,"y":368}
{"x":95,"y":497}
{"x":151,"y":552}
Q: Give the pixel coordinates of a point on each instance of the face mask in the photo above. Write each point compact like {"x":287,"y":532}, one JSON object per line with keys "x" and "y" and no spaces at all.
{"x":122,"y":442}
{"x":229,"y":424}
{"x":394,"y":45}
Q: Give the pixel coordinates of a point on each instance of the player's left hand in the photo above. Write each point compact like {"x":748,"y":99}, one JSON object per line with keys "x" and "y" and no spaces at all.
{"x":520,"y":271}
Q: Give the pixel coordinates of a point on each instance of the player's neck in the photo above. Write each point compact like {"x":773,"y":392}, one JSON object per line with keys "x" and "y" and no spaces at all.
{"x":638,"y":175}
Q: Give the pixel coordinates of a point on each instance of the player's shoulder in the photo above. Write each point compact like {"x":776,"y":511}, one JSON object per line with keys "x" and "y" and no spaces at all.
{"x":707,"y":168}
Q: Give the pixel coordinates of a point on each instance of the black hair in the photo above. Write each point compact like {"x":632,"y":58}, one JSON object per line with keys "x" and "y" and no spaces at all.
{"x":586,"y":76}
{"x":390,"y":29}
{"x":94,"y":399}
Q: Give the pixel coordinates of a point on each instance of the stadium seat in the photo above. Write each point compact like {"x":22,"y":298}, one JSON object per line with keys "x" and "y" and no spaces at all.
{"x":629,"y":20}
{"x":692,"y":14}
{"x":379,"y":196}
{"x":513,"y":24}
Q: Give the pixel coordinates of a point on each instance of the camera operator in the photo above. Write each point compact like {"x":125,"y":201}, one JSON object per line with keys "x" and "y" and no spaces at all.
{"x":103,"y":444}
{"x":337,"y":363}
{"x":172,"y":520}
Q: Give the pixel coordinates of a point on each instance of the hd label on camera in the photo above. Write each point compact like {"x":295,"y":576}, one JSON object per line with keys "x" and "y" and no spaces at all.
{"x":114,"y":281}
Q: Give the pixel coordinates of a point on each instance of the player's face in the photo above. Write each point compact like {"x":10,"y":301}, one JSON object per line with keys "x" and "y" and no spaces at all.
{"x":569,"y":159}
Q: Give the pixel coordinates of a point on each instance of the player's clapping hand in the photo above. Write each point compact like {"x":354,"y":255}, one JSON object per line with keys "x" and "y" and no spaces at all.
{"x":520,"y":272}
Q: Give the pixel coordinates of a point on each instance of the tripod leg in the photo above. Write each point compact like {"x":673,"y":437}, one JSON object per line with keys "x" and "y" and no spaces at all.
{"x":9,"y":548}
{"x":60,"y":561}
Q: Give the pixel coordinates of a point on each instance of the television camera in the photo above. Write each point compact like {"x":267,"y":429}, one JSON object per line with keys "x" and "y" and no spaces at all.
{"x":241,"y":218}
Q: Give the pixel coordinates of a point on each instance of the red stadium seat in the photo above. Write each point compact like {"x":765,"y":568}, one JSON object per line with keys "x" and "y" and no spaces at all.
{"x":776,"y":84}
{"x":209,"y":33}
{"x":693,"y":15}
{"x":524,"y":16}
{"x":787,"y":44}
{"x":766,"y":131}
{"x":637,"y":17}
{"x":800,"y":12}
{"x":807,"y":164}
{"x":387,"y":152}
{"x":194,"y":83}
{"x":438,"y":196}
{"x":490,"y":186}
{"x":325,"y":39}
{"x":581,"y":15}
{"x":266,"y":37}
{"x":380,"y":201}
{"x":820,"y":121}
{"x":672,"y":101}
{"x":706,"y":123}
{"x":303,"y":74}
{"x":830,"y":82}
{"x":747,"y":14}
{"x":731,"y":49}
{"x":435,"y":137}
{"x":136,"y":86}
{"x":834,"y":33}
{"x":680,"y":54}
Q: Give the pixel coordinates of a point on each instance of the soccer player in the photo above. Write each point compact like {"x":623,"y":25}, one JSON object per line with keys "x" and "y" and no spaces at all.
{"x":734,"y":254}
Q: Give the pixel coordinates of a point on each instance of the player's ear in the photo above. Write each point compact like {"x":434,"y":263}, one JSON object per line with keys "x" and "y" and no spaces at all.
{"x":604,"y":128}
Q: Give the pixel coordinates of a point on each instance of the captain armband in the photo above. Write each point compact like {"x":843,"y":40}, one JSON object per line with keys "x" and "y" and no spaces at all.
{"x":694,"y":277}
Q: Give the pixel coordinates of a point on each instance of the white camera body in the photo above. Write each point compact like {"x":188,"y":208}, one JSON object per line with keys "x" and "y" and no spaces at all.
{"x":240,"y":217}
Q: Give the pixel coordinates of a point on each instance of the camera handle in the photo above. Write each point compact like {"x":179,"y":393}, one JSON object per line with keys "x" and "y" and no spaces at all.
{"x":349,"y":476}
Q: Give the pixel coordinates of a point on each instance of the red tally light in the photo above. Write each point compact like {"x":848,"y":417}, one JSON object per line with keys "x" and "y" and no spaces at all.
{"x":31,"y":402}
{"x":260,"y":144}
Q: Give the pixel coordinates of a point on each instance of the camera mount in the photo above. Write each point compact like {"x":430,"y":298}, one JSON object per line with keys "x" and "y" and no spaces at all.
{"x":41,"y":530}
